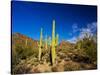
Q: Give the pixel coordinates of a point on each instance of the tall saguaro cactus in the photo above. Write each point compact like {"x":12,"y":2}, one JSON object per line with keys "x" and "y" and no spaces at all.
{"x":53,"y":43}
{"x":40,"y":45}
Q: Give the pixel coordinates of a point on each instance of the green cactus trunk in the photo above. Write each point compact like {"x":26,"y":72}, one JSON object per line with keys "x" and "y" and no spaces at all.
{"x":40,"y":46}
{"x":53,"y":44}
{"x":57,"y":38}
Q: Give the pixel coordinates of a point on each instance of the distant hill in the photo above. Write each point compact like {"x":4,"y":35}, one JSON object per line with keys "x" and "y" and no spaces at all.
{"x":18,"y":38}
{"x":66,"y":45}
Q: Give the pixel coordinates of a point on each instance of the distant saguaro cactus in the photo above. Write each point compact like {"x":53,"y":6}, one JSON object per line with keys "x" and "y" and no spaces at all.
{"x":46,"y":43}
{"x":40,"y":45}
{"x":53,"y":52}
{"x":49,"y":41}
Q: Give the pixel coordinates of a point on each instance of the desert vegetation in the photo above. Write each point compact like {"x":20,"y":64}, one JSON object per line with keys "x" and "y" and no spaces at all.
{"x":50,"y":55}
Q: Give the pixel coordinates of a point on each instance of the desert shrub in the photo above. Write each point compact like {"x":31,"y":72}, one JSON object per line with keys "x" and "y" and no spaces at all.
{"x":42,"y":68}
{"x":15,"y":58}
{"x":59,"y":67}
{"x":21,"y":69}
{"x":66,"y":66}
{"x":91,"y":49}
{"x":21,"y":52}
{"x":88,"y":46}
{"x":71,"y":66}
{"x":80,"y":58}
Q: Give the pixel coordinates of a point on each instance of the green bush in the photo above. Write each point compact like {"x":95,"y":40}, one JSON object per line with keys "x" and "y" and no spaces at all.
{"x":89,"y":47}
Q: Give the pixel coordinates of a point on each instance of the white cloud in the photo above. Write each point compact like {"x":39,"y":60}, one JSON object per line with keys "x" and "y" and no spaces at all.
{"x":90,"y":29}
{"x":92,"y":26}
{"x":75,"y":28}
{"x":73,"y":40}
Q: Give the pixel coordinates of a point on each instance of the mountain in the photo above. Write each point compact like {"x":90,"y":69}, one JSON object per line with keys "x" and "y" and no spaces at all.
{"x":66,"y":45}
{"x":21,"y":39}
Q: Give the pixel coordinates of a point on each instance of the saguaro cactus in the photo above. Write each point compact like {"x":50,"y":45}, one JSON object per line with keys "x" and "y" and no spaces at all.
{"x":53,"y":43}
{"x":49,"y":41}
{"x":40,"y":45}
{"x":57,"y":38}
{"x":46,"y":43}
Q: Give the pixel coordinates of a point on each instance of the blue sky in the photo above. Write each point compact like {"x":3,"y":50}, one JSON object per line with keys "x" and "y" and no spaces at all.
{"x":71,"y":20}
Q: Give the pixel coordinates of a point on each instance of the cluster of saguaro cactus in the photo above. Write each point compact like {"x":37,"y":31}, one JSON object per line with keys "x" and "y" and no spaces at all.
{"x":40,"y":45}
{"x":52,"y":43}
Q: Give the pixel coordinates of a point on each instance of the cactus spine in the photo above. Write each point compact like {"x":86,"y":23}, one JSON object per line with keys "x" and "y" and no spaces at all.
{"x":53,"y":43}
{"x":40,"y":45}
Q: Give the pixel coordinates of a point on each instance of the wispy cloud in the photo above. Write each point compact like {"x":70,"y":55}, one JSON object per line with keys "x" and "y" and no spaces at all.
{"x":90,"y":29}
{"x":73,"y":40}
{"x":83,"y":32}
{"x":75,"y":29}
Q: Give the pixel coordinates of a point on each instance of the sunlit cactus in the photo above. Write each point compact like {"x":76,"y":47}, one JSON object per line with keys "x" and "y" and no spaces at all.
{"x":57,"y":38}
{"x":79,"y":43}
{"x":40,"y":45}
{"x":53,"y":52}
{"x":49,"y":41}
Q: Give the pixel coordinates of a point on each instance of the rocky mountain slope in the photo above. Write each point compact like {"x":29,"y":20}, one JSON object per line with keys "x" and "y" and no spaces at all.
{"x":25,"y":57}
